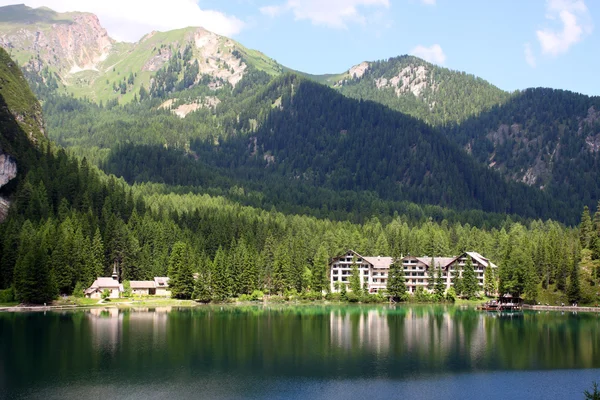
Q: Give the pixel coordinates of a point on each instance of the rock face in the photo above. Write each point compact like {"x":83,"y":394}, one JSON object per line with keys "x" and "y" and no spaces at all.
{"x":413,"y":78}
{"x":70,"y":42}
{"x":8,"y":168}
{"x":8,"y":171}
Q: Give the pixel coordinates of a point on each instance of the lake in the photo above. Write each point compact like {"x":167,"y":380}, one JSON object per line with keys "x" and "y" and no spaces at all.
{"x":298,"y":352}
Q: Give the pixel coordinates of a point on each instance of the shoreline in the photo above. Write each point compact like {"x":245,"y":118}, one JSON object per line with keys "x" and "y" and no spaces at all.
{"x":561,"y":308}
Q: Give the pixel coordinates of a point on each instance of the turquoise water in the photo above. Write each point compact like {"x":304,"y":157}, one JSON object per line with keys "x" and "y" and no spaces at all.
{"x":296,"y":352}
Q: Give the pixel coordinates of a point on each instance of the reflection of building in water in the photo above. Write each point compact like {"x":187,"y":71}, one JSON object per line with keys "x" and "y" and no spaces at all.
{"x":106,"y":325}
{"x":368,"y":328}
{"x":421,"y":332}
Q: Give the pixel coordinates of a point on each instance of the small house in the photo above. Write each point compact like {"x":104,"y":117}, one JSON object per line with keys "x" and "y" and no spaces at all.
{"x":102,"y":283}
{"x":162,"y":286}
{"x":143,"y":288}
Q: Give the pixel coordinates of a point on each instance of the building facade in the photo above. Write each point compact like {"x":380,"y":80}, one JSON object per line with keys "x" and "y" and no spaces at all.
{"x":418,"y":271}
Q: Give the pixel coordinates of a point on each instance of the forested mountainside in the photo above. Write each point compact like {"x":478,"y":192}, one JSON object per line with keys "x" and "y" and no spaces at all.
{"x":172,"y":88}
{"x":70,"y":223}
{"x":415,"y":87}
{"x":189,"y":87}
{"x":549,"y":139}
{"x":21,"y":126}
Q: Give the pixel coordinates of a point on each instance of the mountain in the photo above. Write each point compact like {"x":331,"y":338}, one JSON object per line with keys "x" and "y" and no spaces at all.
{"x":180,"y":88}
{"x":72,"y":53}
{"x":415,"y":87}
{"x":21,"y":128}
{"x":546,"y":138}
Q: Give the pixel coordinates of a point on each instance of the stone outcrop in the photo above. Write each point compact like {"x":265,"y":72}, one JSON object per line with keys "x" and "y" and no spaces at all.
{"x":8,"y":168}
{"x":8,"y":171}
{"x":71,"y":45}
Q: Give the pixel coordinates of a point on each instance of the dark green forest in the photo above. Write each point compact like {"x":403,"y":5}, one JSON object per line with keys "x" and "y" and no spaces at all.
{"x":261,"y":204}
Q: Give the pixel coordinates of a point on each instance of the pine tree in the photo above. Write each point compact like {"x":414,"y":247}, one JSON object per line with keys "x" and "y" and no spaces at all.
{"x":440,"y":285}
{"x":319,"y":272}
{"x":202,"y":291}
{"x":585,"y":229}
{"x":220,"y":276}
{"x":488,"y":281}
{"x":97,"y":255}
{"x":457,"y":281}
{"x":354,"y":281}
{"x":33,"y":279}
{"x":431,"y":275}
{"x":574,"y":289}
{"x":470,"y":283}
{"x":396,"y":283}
{"x":181,"y":279}
{"x":282,"y":265}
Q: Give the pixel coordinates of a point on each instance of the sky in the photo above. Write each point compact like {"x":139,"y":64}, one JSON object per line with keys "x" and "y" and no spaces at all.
{"x":514,"y":44}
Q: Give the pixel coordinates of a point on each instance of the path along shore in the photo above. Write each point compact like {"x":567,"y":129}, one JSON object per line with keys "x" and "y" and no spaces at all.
{"x":561,"y":308}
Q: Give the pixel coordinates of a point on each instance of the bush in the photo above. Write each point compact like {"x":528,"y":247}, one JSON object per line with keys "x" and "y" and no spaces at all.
{"x":7,"y":295}
{"x":333,"y":296}
{"x":451,"y":295}
{"x":78,"y":291}
{"x":352,"y":297}
{"x":126,"y":289}
{"x":312,"y":296}
{"x":105,"y":294}
{"x":257,"y":295}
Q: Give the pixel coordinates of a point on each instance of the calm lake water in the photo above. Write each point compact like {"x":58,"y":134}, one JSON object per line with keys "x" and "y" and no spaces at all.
{"x":298,"y":352}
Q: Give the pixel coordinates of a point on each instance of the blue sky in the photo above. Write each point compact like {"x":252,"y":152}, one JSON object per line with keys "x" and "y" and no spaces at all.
{"x":513,"y":44}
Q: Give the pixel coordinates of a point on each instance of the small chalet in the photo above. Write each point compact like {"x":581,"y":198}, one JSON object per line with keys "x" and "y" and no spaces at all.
{"x":102,"y":283}
{"x":162,"y":286}
{"x":143,"y":288}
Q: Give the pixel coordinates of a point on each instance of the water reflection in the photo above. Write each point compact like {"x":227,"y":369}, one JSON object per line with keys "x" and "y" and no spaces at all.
{"x":160,"y":344}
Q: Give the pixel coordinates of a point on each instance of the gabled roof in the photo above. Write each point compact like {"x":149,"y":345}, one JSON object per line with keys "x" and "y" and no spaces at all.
{"x":161,"y":281}
{"x":106,"y":283}
{"x":481,"y":259}
{"x":142,"y":284}
{"x":379,"y":262}
{"x":440,"y":262}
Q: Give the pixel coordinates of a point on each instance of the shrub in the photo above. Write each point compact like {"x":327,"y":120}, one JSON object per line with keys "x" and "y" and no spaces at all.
{"x":312,"y":296}
{"x":352,"y":297}
{"x":451,"y":295}
{"x":257,"y":295}
{"x":7,"y":295}
{"x":332,"y":296}
{"x":78,"y":290}
{"x":106,"y":294}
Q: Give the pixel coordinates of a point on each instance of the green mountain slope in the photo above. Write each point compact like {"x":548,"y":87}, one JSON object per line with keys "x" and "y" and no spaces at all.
{"x":415,"y":87}
{"x":72,"y":53}
{"x":549,"y":139}
{"x":21,"y":129}
{"x":315,"y":137}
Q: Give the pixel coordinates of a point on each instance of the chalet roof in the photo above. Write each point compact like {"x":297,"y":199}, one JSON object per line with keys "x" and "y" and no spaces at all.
{"x":142,"y":284}
{"x":442,"y":262}
{"x":105,"y":283}
{"x":161,"y":281}
{"x":481,"y":259}
{"x":379,"y":262}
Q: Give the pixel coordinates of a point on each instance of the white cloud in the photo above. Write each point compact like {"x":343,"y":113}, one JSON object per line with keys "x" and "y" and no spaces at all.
{"x":433,"y":54}
{"x":332,"y":13}
{"x":129,"y":20}
{"x":576,"y":23}
{"x":529,"y":57}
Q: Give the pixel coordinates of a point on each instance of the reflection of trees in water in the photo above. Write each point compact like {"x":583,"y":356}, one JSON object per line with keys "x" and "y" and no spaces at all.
{"x":320,"y":341}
